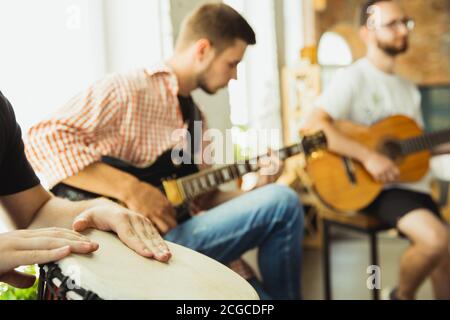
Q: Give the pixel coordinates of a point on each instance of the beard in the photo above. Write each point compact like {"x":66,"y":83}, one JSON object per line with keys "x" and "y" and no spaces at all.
{"x":202,"y":80}
{"x":393,"y":50}
{"x":202,"y":84}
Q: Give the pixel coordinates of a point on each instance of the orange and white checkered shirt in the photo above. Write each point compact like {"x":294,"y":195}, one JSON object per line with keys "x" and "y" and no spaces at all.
{"x":126,"y":116}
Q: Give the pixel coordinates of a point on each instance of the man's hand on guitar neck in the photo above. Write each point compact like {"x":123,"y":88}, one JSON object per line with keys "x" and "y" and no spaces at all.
{"x":271,"y":169}
{"x":381,"y":167}
{"x":150,"y":202}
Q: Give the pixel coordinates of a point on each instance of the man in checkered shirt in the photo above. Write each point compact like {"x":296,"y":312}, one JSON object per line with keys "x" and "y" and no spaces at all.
{"x":131,"y":117}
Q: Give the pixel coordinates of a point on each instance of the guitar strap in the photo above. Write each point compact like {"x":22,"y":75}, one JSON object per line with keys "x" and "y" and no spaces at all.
{"x":191,"y":114}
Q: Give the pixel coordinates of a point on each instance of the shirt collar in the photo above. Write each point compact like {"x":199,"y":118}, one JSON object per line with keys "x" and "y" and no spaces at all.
{"x":163,"y":68}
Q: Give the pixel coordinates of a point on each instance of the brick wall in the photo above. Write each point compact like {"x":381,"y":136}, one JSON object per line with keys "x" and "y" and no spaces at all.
{"x":428,"y":60}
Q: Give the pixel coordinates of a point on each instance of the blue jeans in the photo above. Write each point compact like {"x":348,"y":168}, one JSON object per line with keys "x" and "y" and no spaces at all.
{"x":269,"y":218}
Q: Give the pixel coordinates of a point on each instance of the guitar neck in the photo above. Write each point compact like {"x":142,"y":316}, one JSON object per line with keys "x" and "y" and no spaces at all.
{"x":425,"y":142}
{"x":200,"y":183}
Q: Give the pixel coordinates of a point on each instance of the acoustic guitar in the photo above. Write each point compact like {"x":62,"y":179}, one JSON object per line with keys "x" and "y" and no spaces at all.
{"x":343,"y":183}
{"x":184,"y":182}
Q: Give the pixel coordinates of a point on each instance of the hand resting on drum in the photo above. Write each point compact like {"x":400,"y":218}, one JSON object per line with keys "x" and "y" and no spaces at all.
{"x":160,"y":212}
{"x":26,"y":247}
{"x":135,"y":230}
{"x":35,"y":209}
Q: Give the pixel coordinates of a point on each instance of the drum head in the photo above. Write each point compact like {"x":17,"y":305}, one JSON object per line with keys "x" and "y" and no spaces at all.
{"x":115,"y":272}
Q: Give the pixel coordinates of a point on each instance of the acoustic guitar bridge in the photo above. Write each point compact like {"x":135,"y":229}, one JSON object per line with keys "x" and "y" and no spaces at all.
{"x":349,"y":170}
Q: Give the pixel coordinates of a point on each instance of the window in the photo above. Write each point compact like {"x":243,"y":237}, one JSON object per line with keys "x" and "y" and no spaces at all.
{"x":334,"y":50}
{"x":334,"y":53}
{"x":255,"y":98}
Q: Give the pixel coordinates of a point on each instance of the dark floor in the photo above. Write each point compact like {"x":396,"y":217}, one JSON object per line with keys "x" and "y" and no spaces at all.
{"x":350,"y":260}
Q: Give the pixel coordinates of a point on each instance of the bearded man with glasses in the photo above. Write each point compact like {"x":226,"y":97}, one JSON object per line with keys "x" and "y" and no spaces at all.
{"x":365,"y":93}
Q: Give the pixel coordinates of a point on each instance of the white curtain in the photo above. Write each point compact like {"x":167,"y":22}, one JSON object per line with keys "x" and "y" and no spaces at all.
{"x":255,"y":97}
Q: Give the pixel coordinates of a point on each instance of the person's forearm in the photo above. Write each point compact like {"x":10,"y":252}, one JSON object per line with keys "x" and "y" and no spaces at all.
{"x":341,"y":144}
{"x":61,"y":213}
{"x":37,"y":208}
{"x":102,"y":179}
{"x":441,"y":150}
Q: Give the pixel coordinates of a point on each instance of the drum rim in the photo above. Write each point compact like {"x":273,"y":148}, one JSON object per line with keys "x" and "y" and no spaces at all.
{"x":51,"y":271}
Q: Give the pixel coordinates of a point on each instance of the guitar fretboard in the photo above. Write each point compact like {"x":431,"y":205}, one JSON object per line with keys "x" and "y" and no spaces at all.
{"x":425,"y":142}
{"x":208,"y":180}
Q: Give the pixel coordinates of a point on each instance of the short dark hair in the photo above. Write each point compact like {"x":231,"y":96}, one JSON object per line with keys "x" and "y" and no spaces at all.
{"x":217,"y":22}
{"x":365,"y":12}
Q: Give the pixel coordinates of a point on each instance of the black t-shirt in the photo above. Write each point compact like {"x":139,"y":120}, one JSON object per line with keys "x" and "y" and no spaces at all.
{"x":16,"y":174}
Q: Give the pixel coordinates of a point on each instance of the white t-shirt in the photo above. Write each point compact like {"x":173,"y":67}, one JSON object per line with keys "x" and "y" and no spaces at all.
{"x":364,"y":94}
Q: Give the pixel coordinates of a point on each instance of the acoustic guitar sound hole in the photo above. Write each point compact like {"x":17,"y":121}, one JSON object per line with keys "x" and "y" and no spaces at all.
{"x":392,"y":149}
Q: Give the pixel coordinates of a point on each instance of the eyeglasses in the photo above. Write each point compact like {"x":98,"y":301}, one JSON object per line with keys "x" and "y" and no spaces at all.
{"x":408,"y":23}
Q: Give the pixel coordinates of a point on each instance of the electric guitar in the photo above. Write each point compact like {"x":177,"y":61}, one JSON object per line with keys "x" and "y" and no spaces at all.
{"x":343,"y":183}
{"x":184,"y":182}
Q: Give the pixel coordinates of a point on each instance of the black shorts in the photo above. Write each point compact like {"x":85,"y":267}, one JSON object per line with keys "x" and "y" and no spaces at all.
{"x":393,"y":204}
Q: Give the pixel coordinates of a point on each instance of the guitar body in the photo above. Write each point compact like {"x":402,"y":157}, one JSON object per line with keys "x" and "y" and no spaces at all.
{"x":344,"y":185}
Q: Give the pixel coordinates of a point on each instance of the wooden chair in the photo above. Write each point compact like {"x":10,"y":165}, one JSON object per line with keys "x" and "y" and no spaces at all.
{"x":362,"y":223}
{"x":327,"y":219}
{"x":359,"y":222}
{"x":441,"y":192}
{"x":319,"y":234}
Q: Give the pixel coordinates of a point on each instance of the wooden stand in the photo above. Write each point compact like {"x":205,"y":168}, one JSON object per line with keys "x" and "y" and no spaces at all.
{"x":301,"y":85}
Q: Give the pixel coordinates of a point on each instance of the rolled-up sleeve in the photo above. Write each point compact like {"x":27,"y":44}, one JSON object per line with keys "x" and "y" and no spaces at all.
{"x":78,"y":134}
